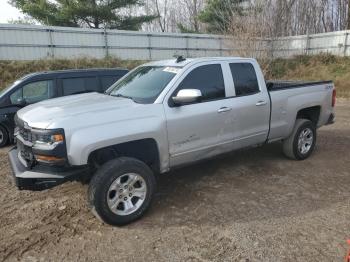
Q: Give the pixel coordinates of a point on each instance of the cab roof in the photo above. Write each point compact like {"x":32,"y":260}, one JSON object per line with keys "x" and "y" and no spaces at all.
{"x":187,"y":61}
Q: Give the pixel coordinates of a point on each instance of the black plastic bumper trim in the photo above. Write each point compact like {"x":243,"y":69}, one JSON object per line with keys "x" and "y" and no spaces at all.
{"x":36,"y":179}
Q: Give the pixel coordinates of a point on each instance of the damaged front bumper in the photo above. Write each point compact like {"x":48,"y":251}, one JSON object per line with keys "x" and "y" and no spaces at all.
{"x":42,"y":177}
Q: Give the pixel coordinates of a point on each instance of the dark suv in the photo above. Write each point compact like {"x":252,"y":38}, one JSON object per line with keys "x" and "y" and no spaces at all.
{"x":39,"y":86}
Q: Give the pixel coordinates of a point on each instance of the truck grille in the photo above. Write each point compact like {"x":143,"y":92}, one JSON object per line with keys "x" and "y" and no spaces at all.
{"x":25,"y":134}
{"x":25,"y":152}
{"x":21,"y":130}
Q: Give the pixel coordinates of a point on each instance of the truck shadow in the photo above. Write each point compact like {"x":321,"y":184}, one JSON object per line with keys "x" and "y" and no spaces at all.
{"x":248,"y":185}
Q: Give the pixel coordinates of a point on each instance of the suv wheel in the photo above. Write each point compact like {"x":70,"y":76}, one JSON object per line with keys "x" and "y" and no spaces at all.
{"x":121,"y":191}
{"x":301,"y":143}
{"x":3,"y":136}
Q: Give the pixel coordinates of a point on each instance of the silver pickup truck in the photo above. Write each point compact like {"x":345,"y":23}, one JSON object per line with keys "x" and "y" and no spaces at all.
{"x":159,"y":116}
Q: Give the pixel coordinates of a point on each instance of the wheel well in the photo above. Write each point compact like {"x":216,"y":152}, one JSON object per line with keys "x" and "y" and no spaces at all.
{"x":145,"y":150}
{"x":310,"y":113}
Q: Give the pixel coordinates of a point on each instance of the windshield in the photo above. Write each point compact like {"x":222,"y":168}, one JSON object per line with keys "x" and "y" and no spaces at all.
{"x":144,"y":84}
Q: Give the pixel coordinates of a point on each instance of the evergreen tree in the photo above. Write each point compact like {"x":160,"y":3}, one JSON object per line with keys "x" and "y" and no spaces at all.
{"x":218,"y":13}
{"x":185,"y":30}
{"x":84,"y":13}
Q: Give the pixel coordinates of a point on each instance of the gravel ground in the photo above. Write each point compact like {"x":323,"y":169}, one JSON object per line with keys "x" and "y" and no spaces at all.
{"x":250,"y":205}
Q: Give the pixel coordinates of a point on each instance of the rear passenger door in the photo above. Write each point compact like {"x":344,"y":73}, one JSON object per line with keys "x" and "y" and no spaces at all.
{"x":78,"y":85}
{"x":250,"y":105}
{"x":108,"y":80}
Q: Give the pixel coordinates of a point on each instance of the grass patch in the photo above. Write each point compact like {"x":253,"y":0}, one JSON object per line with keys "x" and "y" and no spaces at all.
{"x":312,"y":68}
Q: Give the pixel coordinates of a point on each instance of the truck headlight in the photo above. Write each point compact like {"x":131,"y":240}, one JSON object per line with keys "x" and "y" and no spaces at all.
{"x":47,"y":138}
{"x":49,"y":146}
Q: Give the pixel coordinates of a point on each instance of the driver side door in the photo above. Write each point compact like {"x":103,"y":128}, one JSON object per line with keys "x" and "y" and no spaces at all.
{"x":28,"y":93}
{"x":203,"y":128}
{"x":33,"y":92}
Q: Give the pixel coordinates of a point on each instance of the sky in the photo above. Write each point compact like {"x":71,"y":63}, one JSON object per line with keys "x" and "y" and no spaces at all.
{"x":8,"y":12}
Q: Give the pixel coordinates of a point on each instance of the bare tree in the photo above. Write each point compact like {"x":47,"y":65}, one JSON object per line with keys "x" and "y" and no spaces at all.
{"x":172,"y":13}
{"x":162,"y":16}
{"x":286,"y":17}
{"x":193,"y":8}
{"x":348,"y":15}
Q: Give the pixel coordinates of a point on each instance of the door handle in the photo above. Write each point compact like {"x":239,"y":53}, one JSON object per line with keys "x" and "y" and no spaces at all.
{"x":224,"y":109}
{"x":261,"y":103}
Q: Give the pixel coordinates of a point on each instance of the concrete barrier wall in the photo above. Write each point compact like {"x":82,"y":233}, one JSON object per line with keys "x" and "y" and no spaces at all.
{"x":27,"y":42}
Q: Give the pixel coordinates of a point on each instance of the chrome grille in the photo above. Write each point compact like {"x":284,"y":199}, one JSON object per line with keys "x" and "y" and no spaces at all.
{"x":24,"y":134}
{"x":22,"y":130}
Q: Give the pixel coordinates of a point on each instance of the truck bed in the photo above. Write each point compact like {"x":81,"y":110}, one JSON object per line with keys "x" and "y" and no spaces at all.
{"x":274,"y":85}
{"x":289,"y":97}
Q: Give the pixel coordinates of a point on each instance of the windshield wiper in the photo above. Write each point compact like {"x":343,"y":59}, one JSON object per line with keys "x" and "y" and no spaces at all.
{"x":123,"y":96}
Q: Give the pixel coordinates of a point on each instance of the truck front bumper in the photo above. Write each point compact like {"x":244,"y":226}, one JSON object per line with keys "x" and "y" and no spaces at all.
{"x":41,"y":177}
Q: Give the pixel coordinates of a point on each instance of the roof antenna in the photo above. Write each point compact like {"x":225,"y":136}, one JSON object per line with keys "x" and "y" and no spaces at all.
{"x":179,"y":58}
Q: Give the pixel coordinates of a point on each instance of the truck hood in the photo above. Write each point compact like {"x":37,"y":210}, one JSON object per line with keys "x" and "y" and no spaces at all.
{"x":43,"y":114}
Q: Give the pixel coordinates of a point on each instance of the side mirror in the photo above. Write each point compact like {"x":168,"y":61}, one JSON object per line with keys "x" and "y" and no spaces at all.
{"x":21,"y":101}
{"x":186,"y":96}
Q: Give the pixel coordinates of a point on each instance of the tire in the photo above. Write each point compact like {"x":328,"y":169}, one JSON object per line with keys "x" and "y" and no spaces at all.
{"x":110,"y":192}
{"x":4,"y":137}
{"x":291,"y":148}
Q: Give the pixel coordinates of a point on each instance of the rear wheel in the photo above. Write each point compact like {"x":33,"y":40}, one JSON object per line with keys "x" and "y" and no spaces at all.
{"x":301,"y":143}
{"x":3,"y":136}
{"x":121,"y":190}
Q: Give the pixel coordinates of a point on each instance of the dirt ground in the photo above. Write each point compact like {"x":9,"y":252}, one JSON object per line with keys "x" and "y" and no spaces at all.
{"x":251,"y":205}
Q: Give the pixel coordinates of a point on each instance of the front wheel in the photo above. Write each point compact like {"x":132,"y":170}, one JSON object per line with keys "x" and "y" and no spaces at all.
{"x":121,"y":190}
{"x":301,"y":143}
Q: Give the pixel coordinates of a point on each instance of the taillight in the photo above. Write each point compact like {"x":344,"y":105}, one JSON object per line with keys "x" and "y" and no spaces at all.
{"x":334,"y":95}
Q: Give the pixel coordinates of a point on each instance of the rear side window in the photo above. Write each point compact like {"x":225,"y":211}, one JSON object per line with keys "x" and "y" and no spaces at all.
{"x":107,"y":81}
{"x":208,"y":79}
{"x":244,"y":78}
{"x":79,"y":85}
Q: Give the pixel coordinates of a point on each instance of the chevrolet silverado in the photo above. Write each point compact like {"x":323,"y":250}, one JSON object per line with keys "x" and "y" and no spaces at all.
{"x":160,"y":116}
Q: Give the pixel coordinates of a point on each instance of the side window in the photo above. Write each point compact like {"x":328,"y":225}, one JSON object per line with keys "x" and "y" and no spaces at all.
{"x":107,"y":81}
{"x":33,"y":92}
{"x":79,"y":85}
{"x":208,"y":79}
{"x":16,"y":97}
{"x":244,"y":77}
